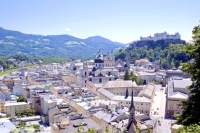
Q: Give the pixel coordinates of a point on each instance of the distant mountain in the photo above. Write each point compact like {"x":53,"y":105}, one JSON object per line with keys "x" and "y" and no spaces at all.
{"x":13,"y":42}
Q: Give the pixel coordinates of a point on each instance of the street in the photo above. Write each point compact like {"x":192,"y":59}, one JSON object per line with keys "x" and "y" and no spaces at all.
{"x":158,"y":111}
{"x":164,"y":126}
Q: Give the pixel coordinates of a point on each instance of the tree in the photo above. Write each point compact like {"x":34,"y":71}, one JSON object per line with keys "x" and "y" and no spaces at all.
{"x":91,"y":130}
{"x":22,"y":124}
{"x":138,"y":129}
{"x":125,"y":130}
{"x":29,"y":112}
{"x":36,"y":126}
{"x":8,"y":115}
{"x":148,"y":129}
{"x":131,"y":74}
{"x":106,"y":130}
{"x":3,"y":63}
{"x":21,"y":99}
{"x":191,"y":113}
{"x":137,"y":80}
{"x":80,"y":128}
{"x":193,"y":128}
{"x":172,"y":63}
{"x":74,"y":68}
{"x":126,"y":75}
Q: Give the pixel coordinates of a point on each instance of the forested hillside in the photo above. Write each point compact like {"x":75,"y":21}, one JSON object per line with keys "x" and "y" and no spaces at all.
{"x":14,"y":42}
{"x":170,"y":55}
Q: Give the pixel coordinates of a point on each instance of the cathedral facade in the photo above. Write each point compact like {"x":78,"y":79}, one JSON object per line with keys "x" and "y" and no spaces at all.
{"x":101,"y":70}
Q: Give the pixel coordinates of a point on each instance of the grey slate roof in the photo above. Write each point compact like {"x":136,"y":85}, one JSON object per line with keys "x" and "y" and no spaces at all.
{"x":120,"y":84}
{"x":175,"y":94}
{"x":182,"y":83}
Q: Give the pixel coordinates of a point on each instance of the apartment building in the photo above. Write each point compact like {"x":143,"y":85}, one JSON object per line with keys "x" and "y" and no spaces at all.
{"x":17,"y":106}
{"x":177,"y":92}
{"x":121,"y":87}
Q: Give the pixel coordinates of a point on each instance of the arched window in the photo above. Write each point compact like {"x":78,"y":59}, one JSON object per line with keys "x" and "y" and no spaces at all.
{"x":100,"y":74}
{"x":100,"y":80}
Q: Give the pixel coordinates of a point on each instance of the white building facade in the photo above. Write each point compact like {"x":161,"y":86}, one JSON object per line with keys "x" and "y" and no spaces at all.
{"x":161,"y":36}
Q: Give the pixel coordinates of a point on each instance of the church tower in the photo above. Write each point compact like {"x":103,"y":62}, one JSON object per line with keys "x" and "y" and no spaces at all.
{"x":128,"y":58}
{"x":83,"y":75}
{"x":157,"y":63}
{"x":112,"y":58}
{"x":132,"y":122}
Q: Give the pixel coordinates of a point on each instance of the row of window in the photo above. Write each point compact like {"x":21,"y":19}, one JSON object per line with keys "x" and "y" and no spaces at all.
{"x":100,"y":80}
{"x":135,"y":93}
{"x":137,"y":103}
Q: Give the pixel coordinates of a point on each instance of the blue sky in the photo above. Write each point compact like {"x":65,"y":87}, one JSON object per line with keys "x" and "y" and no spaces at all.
{"x":118,"y":20}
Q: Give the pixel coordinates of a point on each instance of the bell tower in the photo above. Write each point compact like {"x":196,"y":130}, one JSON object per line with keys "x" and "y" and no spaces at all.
{"x":128,"y":58}
{"x":157,"y":62}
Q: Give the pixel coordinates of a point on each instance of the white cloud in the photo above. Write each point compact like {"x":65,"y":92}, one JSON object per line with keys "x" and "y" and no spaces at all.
{"x":67,"y":29}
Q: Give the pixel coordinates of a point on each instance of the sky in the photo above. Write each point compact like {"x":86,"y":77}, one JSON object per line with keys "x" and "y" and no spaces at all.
{"x":118,"y":20}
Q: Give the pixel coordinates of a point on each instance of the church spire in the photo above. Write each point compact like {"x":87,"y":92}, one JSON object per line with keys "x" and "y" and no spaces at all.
{"x":131,"y":127}
{"x":132,"y":103}
{"x":126,"y":96}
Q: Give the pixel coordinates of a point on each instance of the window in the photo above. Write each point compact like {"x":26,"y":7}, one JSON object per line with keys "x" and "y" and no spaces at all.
{"x":100,"y":80}
{"x":171,"y":105}
{"x":100,"y":74}
{"x":141,"y":103}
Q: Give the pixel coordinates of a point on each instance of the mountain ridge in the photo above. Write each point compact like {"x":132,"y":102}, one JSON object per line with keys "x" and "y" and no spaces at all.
{"x":13,"y":42}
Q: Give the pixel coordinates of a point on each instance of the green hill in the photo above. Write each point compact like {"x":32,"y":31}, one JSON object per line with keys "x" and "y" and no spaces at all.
{"x":13,"y":42}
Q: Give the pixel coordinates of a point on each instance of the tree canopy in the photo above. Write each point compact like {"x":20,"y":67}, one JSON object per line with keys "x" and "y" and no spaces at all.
{"x":126,"y":75}
{"x":132,"y":76}
{"x":170,"y":56}
{"x":191,"y":113}
{"x":21,"y":99}
{"x":193,"y":128}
